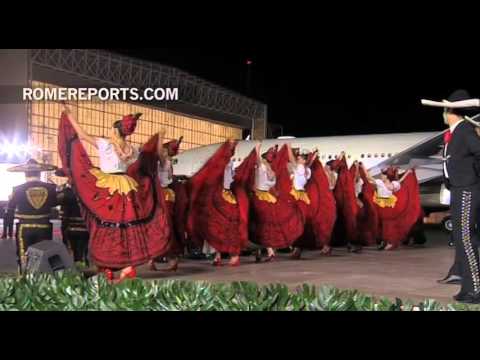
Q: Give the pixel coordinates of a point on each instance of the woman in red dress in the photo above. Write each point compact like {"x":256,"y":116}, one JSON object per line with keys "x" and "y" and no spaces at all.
{"x":278,"y":220}
{"x":346,"y":228}
{"x":321,"y":214}
{"x":218,"y":211}
{"x":175,"y":206}
{"x":397,"y":200}
{"x":122,"y":201}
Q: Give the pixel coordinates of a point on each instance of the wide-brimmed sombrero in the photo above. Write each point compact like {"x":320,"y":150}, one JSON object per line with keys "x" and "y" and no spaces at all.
{"x":460,"y":102}
{"x":32,"y":166}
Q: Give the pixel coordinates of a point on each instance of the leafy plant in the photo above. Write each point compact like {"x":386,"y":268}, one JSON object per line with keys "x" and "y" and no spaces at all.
{"x":71,"y":292}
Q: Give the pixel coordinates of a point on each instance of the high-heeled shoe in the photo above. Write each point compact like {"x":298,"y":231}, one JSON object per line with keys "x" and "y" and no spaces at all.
{"x":390,"y":247}
{"x":151,"y":266}
{"x":327,"y":252}
{"x":129,"y":273}
{"x":296,"y":255}
{"x":217,"y":263}
{"x":173,"y":268}
{"x":107,"y":273}
{"x":234,"y":263}
{"x":271,"y":258}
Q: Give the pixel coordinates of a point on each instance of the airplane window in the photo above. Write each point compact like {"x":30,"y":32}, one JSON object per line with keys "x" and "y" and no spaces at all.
{"x":363,"y":156}
{"x":330,"y":156}
{"x":383,"y":155}
{"x":376,"y":155}
{"x":369,"y":156}
{"x":349,"y":156}
{"x":175,"y":161}
{"x":389,"y":155}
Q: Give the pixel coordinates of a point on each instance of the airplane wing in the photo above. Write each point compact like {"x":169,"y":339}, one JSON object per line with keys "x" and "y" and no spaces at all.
{"x":426,"y":157}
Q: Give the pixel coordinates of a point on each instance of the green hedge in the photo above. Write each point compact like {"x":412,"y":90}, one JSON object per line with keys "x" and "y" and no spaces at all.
{"x":69,"y":292}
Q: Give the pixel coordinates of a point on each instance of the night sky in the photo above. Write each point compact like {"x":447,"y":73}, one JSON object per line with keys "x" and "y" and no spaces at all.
{"x":323,"y":90}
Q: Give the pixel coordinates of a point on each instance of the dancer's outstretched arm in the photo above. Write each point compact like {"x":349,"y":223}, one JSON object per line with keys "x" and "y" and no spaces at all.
{"x":81,"y":133}
{"x":259,"y":156}
{"x":291,"y":156}
{"x":370,"y":179}
{"x":314,"y":157}
{"x":405,"y":176}
{"x":161,"y":138}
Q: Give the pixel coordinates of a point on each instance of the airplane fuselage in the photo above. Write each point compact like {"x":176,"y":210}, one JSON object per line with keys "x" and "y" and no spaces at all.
{"x":369,"y":149}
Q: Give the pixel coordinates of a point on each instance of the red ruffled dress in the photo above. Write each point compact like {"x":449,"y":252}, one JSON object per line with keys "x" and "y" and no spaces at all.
{"x":321,"y":214}
{"x":346,"y":230}
{"x":367,"y":218}
{"x":278,"y":220}
{"x":126,"y":228}
{"x":399,"y":217}
{"x":217,"y":215}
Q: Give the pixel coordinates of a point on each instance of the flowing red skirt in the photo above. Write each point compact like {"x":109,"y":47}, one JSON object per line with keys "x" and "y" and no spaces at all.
{"x":210,"y":217}
{"x":277,"y":225}
{"x":125,"y":230}
{"x":367,"y":218}
{"x":321,"y":214}
{"x":219,"y":222}
{"x":347,"y":209}
{"x":397,"y":223}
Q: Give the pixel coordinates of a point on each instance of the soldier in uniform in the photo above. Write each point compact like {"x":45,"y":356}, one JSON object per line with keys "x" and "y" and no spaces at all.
{"x":462,"y":178}
{"x":32,"y":202}
{"x":74,"y":231}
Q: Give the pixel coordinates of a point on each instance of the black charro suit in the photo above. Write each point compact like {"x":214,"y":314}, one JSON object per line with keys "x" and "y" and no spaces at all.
{"x":74,"y":231}
{"x":32,"y":202}
{"x":463,"y":179}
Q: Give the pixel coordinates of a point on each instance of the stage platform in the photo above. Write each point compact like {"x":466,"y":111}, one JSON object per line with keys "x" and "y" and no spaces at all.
{"x":409,"y":273}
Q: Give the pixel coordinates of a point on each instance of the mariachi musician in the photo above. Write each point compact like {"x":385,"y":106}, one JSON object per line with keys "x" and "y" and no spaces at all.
{"x":74,"y":230}
{"x":462,"y":177}
{"x":8,"y":220}
{"x":33,"y":203}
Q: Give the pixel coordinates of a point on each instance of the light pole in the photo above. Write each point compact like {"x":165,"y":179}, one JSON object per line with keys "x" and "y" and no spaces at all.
{"x":249,"y":76}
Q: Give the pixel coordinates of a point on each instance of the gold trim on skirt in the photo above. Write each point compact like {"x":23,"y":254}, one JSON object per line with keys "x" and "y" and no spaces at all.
{"x":266,"y":196}
{"x":123,"y":184}
{"x":169,"y":194}
{"x":300,"y":195}
{"x":390,"y":202}
{"x":229,"y":197}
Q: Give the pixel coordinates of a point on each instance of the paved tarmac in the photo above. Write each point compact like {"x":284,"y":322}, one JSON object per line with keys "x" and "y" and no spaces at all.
{"x":408,"y":273}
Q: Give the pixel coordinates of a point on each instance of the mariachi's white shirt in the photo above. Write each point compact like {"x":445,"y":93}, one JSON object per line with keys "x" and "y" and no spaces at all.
{"x":110,"y":163}
{"x":262,"y":181}
{"x":165,"y":173}
{"x":384,"y":192}
{"x":300,"y":175}
{"x":228,"y":175}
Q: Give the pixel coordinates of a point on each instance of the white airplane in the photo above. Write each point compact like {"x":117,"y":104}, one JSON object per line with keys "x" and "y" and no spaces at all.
{"x":420,"y":150}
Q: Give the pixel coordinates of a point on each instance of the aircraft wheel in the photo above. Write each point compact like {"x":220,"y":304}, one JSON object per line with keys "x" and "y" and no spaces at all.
{"x":448,"y":225}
